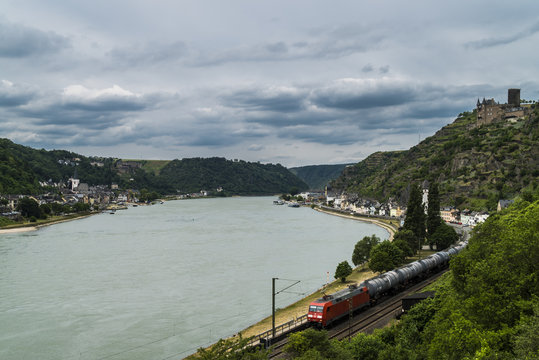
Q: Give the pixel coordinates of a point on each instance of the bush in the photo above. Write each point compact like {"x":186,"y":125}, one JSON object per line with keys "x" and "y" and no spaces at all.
{"x":385,"y":256}
{"x":363,"y":248}
{"x":343,"y":270}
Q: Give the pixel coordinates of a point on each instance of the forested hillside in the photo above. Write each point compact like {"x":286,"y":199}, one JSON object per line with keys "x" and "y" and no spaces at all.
{"x":486,"y":308}
{"x":22,"y":168}
{"x":318,"y":176}
{"x":475,"y":166}
{"x":234,"y":177}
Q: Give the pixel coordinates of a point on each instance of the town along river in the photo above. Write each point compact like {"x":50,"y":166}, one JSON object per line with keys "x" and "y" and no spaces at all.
{"x":158,"y":282}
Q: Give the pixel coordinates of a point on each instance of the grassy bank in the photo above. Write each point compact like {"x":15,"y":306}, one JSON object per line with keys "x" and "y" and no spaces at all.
{"x":300,"y":307}
{"x":27,"y":225}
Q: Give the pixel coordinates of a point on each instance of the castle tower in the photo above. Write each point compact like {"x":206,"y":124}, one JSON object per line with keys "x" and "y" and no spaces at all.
{"x":513,"y":97}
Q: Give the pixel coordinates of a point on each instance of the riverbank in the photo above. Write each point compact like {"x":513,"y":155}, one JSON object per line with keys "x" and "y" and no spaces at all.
{"x":28,"y":226}
{"x":299,"y":308}
{"x":385,"y":224}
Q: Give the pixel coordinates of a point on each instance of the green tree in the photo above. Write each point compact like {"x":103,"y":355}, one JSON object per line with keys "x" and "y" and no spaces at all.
{"x":526,"y":342}
{"x":80,"y":207}
{"x":407,"y":236}
{"x":29,"y":207}
{"x":385,"y":256}
{"x":366,"y":347}
{"x":405,"y":248}
{"x":45,"y":210}
{"x":363,"y":249}
{"x":496,"y":277}
{"x":415,"y":214}
{"x":313,"y":344}
{"x":433,"y":211}
{"x":444,"y":236}
{"x":57,"y":208}
{"x":231,"y":349}
{"x":343,"y":270}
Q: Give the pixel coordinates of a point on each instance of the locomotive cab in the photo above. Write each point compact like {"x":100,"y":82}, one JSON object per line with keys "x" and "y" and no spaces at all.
{"x":316,"y":313}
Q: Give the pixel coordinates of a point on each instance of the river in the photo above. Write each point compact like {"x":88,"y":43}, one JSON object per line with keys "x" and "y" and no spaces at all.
{"x":158,"y":282}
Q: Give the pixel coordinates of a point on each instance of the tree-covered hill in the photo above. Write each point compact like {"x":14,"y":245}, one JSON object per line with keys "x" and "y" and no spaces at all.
{"x":318,"y":176}
{"x":234,"y":177}
{"x":475,"y":166}
{"x":486,"y":307}
{"x":23,"y":168}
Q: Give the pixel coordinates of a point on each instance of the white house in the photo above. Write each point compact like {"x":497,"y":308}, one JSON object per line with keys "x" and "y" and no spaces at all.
{"x":481,"y":217}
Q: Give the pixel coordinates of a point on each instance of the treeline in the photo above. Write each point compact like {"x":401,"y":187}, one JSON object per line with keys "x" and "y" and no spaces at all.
{"x":210,"y":174}
{"x":418,"y":229}
{"x":22,"y":168}
{"x":475,"y":166}
{"x":486,"y":307}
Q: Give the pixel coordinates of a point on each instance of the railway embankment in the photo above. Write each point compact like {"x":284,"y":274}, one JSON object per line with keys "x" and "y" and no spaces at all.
{"x":359,"y":274}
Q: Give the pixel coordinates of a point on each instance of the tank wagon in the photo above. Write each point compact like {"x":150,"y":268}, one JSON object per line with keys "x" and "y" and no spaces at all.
{"x":329,"y":308}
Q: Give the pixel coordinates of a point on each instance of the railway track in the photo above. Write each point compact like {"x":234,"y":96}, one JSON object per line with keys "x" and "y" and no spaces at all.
{"x":366,"y":321}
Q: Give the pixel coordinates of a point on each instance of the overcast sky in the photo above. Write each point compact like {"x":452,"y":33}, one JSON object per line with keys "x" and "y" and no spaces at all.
{"x":291,"y":82}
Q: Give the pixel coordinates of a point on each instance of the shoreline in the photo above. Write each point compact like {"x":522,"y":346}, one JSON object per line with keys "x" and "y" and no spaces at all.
{"x":28,"y":228}
{"x":390,"y":229}
{"x":291,"y":311}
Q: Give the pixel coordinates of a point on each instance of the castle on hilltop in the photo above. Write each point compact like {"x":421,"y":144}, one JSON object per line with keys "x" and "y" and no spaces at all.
{"x":489,"y":111}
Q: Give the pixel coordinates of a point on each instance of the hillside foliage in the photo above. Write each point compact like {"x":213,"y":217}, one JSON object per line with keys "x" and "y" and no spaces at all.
{"x":486,"y":307}
{"x":475,"y":166}
{"x":234,"y":177}
{"x":22,"y":168}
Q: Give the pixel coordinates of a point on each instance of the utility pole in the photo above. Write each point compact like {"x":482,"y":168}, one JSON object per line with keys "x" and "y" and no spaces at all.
{"x":273,"y":293}
{"x":350,"y":320}
{"x":273,"y":307}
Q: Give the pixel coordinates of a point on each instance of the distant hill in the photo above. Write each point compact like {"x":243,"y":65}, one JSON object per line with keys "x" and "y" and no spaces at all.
{"x":234,"y":177}
{"x":23,"y":168}
{"x":475,"y":166}
{"x":318,"y":176}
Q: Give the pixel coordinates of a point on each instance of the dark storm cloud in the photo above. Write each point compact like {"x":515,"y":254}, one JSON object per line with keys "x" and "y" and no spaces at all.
{"x":151,"y":53}
{"x":58,"y":115}
{"x":367,"y":68}
{"x":358,"y":106}
{"x":309,"y":118}
{"x":272,"y":99}
{"x":88,"y":108}
{"x":328,"y":134}
{"x":106,"y":104}
{"x":504,"y":40}
{"x":355,"y":94}
{"x":18,"y":41}
{"x":12,"y":95}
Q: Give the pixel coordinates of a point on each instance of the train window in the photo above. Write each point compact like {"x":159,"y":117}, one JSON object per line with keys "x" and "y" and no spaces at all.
{"x":314,"y":308}
{"x":329,"y":308}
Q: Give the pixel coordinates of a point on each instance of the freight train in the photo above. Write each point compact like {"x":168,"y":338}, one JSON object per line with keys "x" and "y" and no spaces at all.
{"x":329,"y":308}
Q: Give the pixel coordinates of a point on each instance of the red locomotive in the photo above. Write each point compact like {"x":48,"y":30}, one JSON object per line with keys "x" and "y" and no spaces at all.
{"x":327,"y":309}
